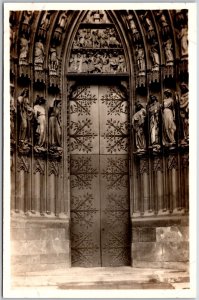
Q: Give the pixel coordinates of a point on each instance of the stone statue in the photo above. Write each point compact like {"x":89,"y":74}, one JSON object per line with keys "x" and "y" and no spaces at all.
{"x":26,"y":115}
{"x":113,"y":41}
{"x":27,"y":15}
{"x":45,"y":22}
{"x":53,"y":61}
{"x":54,"y":137}
{"x":184,"y":112}
{"x":168,"y":117}
{"x":24,"y":48}
{"x":79,"y":62}
{"x":88,"y":43}
{"x":39,"y":55}
{"x":62,"y":21}
{"x":113,"y":61}
{"x":154,"y":109}
{"x":133,"y":26}
{"x":183,"y":37}
{"x":90,"y":62}
{"x":12,"y":37}
{"x":140,"y":60}
{"x":104,"y":39}
{"x":155,"y":58}
{"x":40,"y":116}
{"x":138,"y":123}
{"x":163,"y":20}
{"x":105,"y":63}
{"x":169,"y":53}
{"x":97,"y":62}
{"x":122,"y":64}
{"x":61,"y":26}
{"x":147,"y":21}
{"x":12,"y":115}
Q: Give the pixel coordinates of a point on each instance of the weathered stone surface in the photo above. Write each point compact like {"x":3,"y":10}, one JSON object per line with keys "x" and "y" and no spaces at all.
{"x":18,"y":269}
{"x":146,"y":264}
{"x":147,"y":251}
{"x":147,"y":234}
{"x":56,"y":246}
{"x":161,"y":264}
{"x":33,"y":233}
{"x":53,"y":234}
{"x":53,"y":258}
{"x":172,"y":234}
{"x":18,"y":234}
{"x":174,"y":251}
{"x":135,"y":234}
{"x":161,"y":222}
{"x":36,"y":247}
{"x":18,"y":259}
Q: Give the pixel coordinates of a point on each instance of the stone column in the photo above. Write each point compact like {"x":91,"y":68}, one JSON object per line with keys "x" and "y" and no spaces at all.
{"x":144,"y":186}
{"x":173,"y":181}
{"x":158,"y":183}
{"x":185,"y":181}
{"x":12,"y":180}
{"x":53,"y":172}
{"x":38,"y":174}
{"x":23,"y":169}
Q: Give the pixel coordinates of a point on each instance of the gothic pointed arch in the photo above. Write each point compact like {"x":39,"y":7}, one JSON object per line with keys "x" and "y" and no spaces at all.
{"x":68,"y":69}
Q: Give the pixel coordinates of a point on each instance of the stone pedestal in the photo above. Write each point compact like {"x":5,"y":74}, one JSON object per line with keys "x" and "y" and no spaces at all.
{"x":160,"y":243}
{"x":39,"y":244}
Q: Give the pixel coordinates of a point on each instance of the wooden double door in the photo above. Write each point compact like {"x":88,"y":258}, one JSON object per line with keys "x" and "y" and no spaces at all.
{"x":99,"y":175}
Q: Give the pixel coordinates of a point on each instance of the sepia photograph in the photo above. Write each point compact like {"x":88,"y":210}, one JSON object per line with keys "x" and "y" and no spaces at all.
{"x":97,"y":172}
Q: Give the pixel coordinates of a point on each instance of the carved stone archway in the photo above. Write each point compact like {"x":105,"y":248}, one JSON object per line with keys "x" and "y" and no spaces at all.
{"x":156,"y":59}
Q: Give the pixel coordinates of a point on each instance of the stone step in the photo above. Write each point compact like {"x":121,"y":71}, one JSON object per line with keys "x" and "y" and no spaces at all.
{"x":103,"y":278}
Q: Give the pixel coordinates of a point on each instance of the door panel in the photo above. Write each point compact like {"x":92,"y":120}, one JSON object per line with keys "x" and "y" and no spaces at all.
{"x":85,"y":211}
{"x":115,"y":223}
{"x":98,"y":131}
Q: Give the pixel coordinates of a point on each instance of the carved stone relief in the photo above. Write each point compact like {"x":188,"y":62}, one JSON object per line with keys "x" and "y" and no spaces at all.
{"x":39,"y":166}
{"x":172,"y":162}
{"x":158,"y":164}
{"x":144,"y":166}
{"x":23,"y":163}
{"x":96,"y":16}
{"x":97,"y":51}
{"x":53,"y":168}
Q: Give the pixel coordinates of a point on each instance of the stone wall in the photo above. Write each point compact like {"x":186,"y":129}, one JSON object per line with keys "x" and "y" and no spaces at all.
{"x":160,"y":243}
{"x":39,"y":244}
